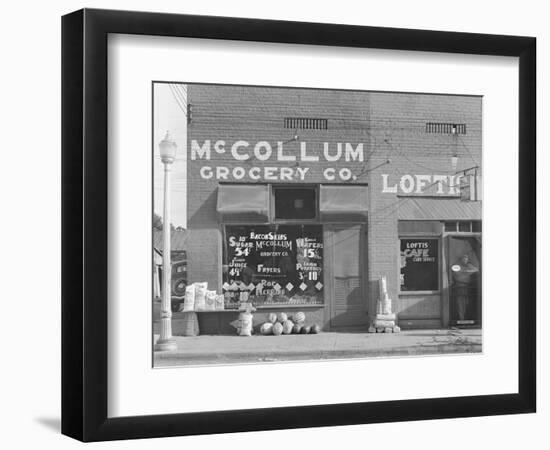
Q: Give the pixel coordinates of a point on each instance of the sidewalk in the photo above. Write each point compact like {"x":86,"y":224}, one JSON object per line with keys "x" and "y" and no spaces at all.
{"x":205,"y":350}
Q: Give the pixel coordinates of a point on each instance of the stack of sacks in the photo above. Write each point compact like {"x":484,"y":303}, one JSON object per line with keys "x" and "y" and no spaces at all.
{"x":220,"y":304}
{"x":199,"y":298}
{"x":245,"y":324}
{"x":189,"y":301}
{"x":210,"y":300}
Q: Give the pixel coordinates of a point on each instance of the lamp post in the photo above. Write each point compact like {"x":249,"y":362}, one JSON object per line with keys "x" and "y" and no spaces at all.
{"x":166,"y":342}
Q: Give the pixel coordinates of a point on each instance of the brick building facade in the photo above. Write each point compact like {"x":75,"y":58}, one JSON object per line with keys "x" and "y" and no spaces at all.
{"x":381,"y":180}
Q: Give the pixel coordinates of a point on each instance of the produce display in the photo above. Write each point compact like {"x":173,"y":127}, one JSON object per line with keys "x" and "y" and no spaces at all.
{"x":266,"y":328}
{"x":282,"y":317}
{"x":299,"y":317}
{"x":287,"y":326}
{"x":278,"y":324}
{"x":277,"y":329}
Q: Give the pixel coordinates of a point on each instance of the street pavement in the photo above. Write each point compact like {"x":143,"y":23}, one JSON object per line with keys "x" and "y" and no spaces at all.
{"x":206,"y":350}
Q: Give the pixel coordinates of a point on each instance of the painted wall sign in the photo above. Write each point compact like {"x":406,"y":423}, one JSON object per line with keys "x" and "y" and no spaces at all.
{"x":269,"y":264}
{"x":267,"y":153}
{"x":421,"y":184}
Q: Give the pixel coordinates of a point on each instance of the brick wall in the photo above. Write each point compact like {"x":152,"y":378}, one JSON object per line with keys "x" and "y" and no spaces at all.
{"x":398,"y":126}
{"x":232,"y":113}
{"x":389,"y":125}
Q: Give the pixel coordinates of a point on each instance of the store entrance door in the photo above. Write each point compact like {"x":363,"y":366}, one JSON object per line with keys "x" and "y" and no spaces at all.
{"x":347,"y":302}
{"x":465,"y":280}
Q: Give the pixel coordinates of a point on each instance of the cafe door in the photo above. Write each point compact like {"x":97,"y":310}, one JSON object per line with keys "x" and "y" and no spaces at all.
{"x":345,"y":262}
{"x":464,"y":271}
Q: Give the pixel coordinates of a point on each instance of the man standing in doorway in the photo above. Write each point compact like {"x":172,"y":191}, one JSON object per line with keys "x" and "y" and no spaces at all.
{"x":464,"y":275}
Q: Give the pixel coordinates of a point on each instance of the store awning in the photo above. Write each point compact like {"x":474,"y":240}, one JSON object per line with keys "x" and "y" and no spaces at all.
{"x":243,"y":201}
{"x":430,"y":208}
{"x":343,"y":203}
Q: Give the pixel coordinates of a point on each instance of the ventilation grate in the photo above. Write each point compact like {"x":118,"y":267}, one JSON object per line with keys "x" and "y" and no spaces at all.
{"x":305,"y":123}
{"x":445,"y":128}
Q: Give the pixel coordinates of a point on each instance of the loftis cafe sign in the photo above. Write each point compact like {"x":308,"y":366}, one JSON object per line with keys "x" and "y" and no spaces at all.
{"x":344,"y":155}
{"x":409,"y":184}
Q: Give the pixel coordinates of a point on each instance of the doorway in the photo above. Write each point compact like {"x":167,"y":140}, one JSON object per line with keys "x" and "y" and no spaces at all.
{"x":464,"y":271}
{"x":346,"y":255}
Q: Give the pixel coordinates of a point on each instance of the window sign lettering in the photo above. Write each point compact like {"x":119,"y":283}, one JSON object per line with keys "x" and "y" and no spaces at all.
{"x":273,"y":265}
{"x":419,"y":265}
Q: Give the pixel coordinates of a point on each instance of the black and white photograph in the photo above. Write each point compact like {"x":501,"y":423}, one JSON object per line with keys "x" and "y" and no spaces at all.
{"x":299,"y":224}
{"x":279,"y":224}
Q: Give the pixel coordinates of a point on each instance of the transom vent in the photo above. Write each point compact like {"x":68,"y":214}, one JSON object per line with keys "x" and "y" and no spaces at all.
{"x":445,"y":128}
{"x":305,"y":123}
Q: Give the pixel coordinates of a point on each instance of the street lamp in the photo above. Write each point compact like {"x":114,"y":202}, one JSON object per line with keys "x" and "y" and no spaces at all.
{"x":166,"y":342}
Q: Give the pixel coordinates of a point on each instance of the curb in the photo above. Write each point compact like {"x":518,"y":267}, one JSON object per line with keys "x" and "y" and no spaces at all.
{"x":180,"y":358}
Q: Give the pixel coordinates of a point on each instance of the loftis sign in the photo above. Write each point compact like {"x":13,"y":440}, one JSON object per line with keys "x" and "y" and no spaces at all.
{"x":408,"y":184}
{"x":343,"y":155}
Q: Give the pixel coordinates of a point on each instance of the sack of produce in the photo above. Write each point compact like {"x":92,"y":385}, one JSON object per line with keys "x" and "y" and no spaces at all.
{"x":245,"y":324}
{"x":189,"y":301}
{"x":210,"y":301}
{"x":315,"y":329}
{"x":266,"y":328}
{"x":220,"y":304}
{"x":296,"y":328}
{"x":299,"y":317}
{"x":282,"y":317}
{"x":305,"y":329}
{"x":277,"y":329}
{"x":200,"y":296}
{"x":272,"y":317}
{"x":287,"y":327}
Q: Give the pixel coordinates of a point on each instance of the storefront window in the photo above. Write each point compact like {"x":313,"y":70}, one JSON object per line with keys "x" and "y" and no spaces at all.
{"x":464,"y":227}
{"x":419,"y":265}
{"x":476,"y":226}
{"x":273,"y":265}
{"x":450,"y":226}
{"x":295,"y":203}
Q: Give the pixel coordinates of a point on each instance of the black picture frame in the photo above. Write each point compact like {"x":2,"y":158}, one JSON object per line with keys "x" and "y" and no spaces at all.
{"x":84,"y":224}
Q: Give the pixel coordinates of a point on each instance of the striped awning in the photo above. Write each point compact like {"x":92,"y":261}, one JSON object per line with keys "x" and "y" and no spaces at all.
{"x":432,"y":208}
